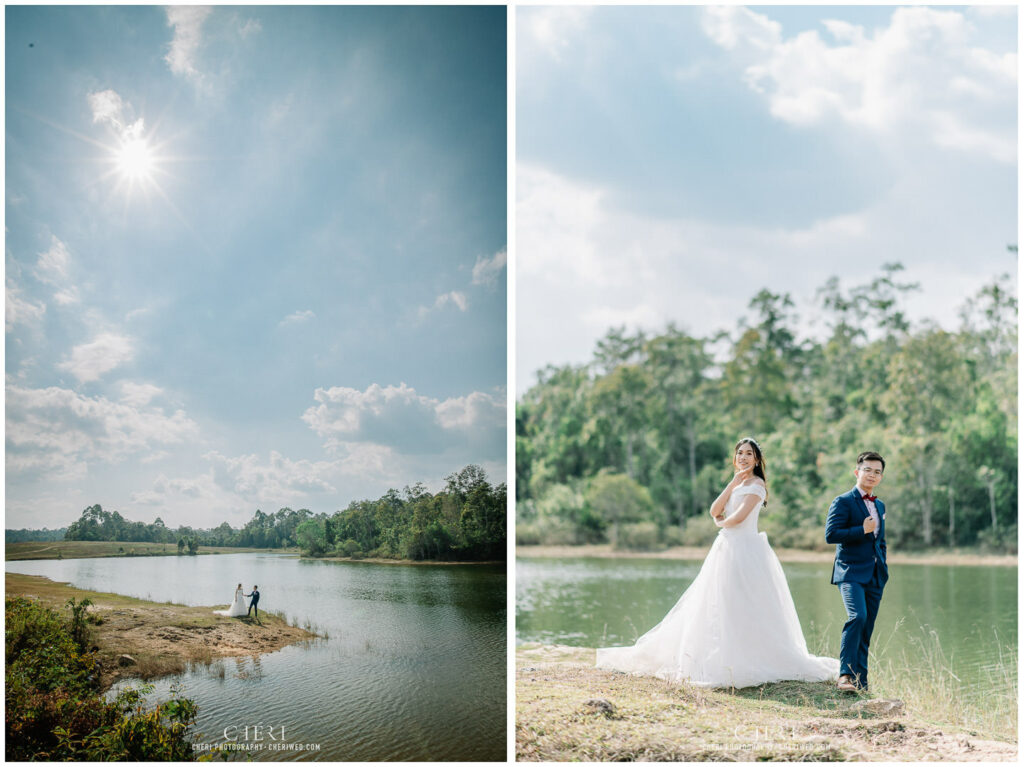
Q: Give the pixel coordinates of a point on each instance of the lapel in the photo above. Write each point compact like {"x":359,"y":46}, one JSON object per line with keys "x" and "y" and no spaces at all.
{"x":861,"y":506}
{"x":881,"y":520}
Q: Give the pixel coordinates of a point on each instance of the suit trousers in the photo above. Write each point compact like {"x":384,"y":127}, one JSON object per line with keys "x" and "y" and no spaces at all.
{"x":861,"y":601}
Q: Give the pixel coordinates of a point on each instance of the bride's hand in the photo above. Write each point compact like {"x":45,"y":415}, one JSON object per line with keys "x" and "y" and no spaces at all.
{"x":742,"y":476}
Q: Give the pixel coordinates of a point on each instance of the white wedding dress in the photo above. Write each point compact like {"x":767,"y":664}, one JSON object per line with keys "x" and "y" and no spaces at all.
{"x":735,"y":626}
{"x":237,"y":608}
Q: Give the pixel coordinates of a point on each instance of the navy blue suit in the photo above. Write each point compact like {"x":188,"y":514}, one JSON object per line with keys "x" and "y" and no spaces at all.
{"x":254,"y":604}
{"x":861,"y":572}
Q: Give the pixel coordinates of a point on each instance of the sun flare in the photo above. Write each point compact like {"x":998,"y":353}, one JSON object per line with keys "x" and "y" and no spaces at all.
{"x":135,"y":161}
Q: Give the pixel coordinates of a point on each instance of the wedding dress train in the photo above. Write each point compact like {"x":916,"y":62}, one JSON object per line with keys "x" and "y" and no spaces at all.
{"x":237,"y":608}
{"x":735,"y":626}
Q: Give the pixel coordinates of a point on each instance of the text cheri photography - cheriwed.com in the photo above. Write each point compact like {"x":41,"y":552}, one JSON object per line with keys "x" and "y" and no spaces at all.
{"x":256,"y":383}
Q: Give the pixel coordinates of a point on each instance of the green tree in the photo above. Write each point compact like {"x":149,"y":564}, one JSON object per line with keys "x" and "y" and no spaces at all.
{"x":617,"y":499}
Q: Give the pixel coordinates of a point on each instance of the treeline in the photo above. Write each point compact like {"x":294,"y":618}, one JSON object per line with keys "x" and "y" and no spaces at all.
{"x":465,"y":521}
{"x":633,"y":447}
{"x":24,"y":534}
{"x":262,"y":531}
{"x":55,"y":710}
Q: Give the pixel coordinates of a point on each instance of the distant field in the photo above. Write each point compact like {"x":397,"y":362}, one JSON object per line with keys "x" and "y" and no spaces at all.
{"x":84,"y":549}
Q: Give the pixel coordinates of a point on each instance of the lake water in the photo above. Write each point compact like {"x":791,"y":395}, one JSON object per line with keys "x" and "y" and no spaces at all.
{"x":414,"y":667}
{"x":600,"y":602}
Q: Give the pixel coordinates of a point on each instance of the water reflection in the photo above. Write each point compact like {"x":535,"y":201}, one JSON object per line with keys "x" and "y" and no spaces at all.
{"x":972,"y":610}
{"x":413,"y":667}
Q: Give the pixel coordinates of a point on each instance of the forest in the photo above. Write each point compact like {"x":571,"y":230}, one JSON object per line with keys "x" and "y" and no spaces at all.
{"x":466,"y":520}
{"x":633,"y":447}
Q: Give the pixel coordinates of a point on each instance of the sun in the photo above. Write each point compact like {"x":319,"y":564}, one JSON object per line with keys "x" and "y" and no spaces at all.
{"x":135,"y":160}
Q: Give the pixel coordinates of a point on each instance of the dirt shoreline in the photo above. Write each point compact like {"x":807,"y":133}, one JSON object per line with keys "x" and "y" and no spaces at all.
{"x":567,"y":710}
{"x":161,"y":637}
{"x":604,"y":550}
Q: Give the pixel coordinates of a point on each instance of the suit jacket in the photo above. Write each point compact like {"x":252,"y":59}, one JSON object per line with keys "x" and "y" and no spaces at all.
{"x":856,"y":551}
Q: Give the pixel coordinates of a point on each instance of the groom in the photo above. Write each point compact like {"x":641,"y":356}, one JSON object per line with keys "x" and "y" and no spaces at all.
{"x":856,"y":524}
{"x":254,"y":604}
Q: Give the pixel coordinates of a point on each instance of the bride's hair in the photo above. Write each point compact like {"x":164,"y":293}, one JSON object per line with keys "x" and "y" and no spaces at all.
{"x":758,"y":466}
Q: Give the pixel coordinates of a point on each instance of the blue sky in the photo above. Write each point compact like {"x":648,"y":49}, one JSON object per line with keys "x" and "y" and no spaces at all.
{"x":255,"y":257}
{"x":673,"y":161}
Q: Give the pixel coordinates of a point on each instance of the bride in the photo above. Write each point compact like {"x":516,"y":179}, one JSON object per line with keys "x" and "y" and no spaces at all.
{"x":736,"y":625}
{"x":237,"y":607}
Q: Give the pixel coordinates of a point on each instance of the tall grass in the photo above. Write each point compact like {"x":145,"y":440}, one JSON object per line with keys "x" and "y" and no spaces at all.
{"x":917,"y":670}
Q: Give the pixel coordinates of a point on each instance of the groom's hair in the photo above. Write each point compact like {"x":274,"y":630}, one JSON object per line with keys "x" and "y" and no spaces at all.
{"x":870,"y":455}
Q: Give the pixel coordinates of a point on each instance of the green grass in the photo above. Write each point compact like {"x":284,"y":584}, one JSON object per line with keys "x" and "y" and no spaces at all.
{"x":88,"y":549}
{"x":922,"y":675}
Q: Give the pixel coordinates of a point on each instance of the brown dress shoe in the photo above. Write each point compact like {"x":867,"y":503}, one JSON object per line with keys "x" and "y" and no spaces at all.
{"x":846,"y":684}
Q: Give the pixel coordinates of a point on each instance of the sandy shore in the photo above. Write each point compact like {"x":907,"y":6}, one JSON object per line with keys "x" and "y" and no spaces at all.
{"x":785,"y":555}
{"x":162,"y":638}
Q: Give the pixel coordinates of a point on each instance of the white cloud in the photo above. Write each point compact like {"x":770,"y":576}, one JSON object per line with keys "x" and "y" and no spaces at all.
{"x":67,"y":296}
{"x":923,"y":75}
{"x":407,"y":422}
{"x":187,"y":22}
{"x":250,"y":27}
{"x":584,"y":265}
{"x":474,"y":411}
{"x":108,"y":107}
{"x":731,"y":25}
{"x":278,"y":480}
{"x":297,"y":317}
{"x":59,"y":431}
{"x":89,"y":361}
{"x":487,"y":270}
{"x":18,"y":310}
{"x":453,"y":297}
{"x":138,"y":395}
{"x":53,"y":264}
{"x":552,"y":29}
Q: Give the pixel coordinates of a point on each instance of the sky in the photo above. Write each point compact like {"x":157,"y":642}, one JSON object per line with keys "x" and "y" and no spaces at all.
{"x":255,"y":257}
{"x":673,"y":161}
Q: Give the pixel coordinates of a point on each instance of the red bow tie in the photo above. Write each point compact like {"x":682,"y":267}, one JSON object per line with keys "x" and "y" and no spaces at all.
{"x":871,"y":498}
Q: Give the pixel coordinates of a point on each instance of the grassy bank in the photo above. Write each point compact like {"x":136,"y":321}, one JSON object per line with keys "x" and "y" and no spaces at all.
{"x":930,"y":557}
{"x":87,"y":549}
{"x":566,"y":710}
{"x":162,"y":638}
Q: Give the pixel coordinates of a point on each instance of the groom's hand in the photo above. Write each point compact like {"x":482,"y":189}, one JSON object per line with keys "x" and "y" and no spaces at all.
{"x":869,"y":525}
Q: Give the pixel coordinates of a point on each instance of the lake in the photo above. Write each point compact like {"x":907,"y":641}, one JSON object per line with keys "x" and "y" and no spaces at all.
{"x":414,"y":666}
{"x":602,"y":602}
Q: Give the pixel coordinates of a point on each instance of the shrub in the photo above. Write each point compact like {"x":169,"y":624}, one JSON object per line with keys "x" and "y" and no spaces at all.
{"x":350,"y":548}
{"x":638,"y":536}
{"x":527,"y":534}
{"x":673,"y":536}
{"x":698,"y":531}
{"x":1003,"y":541}
{"x":54,"y":709}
